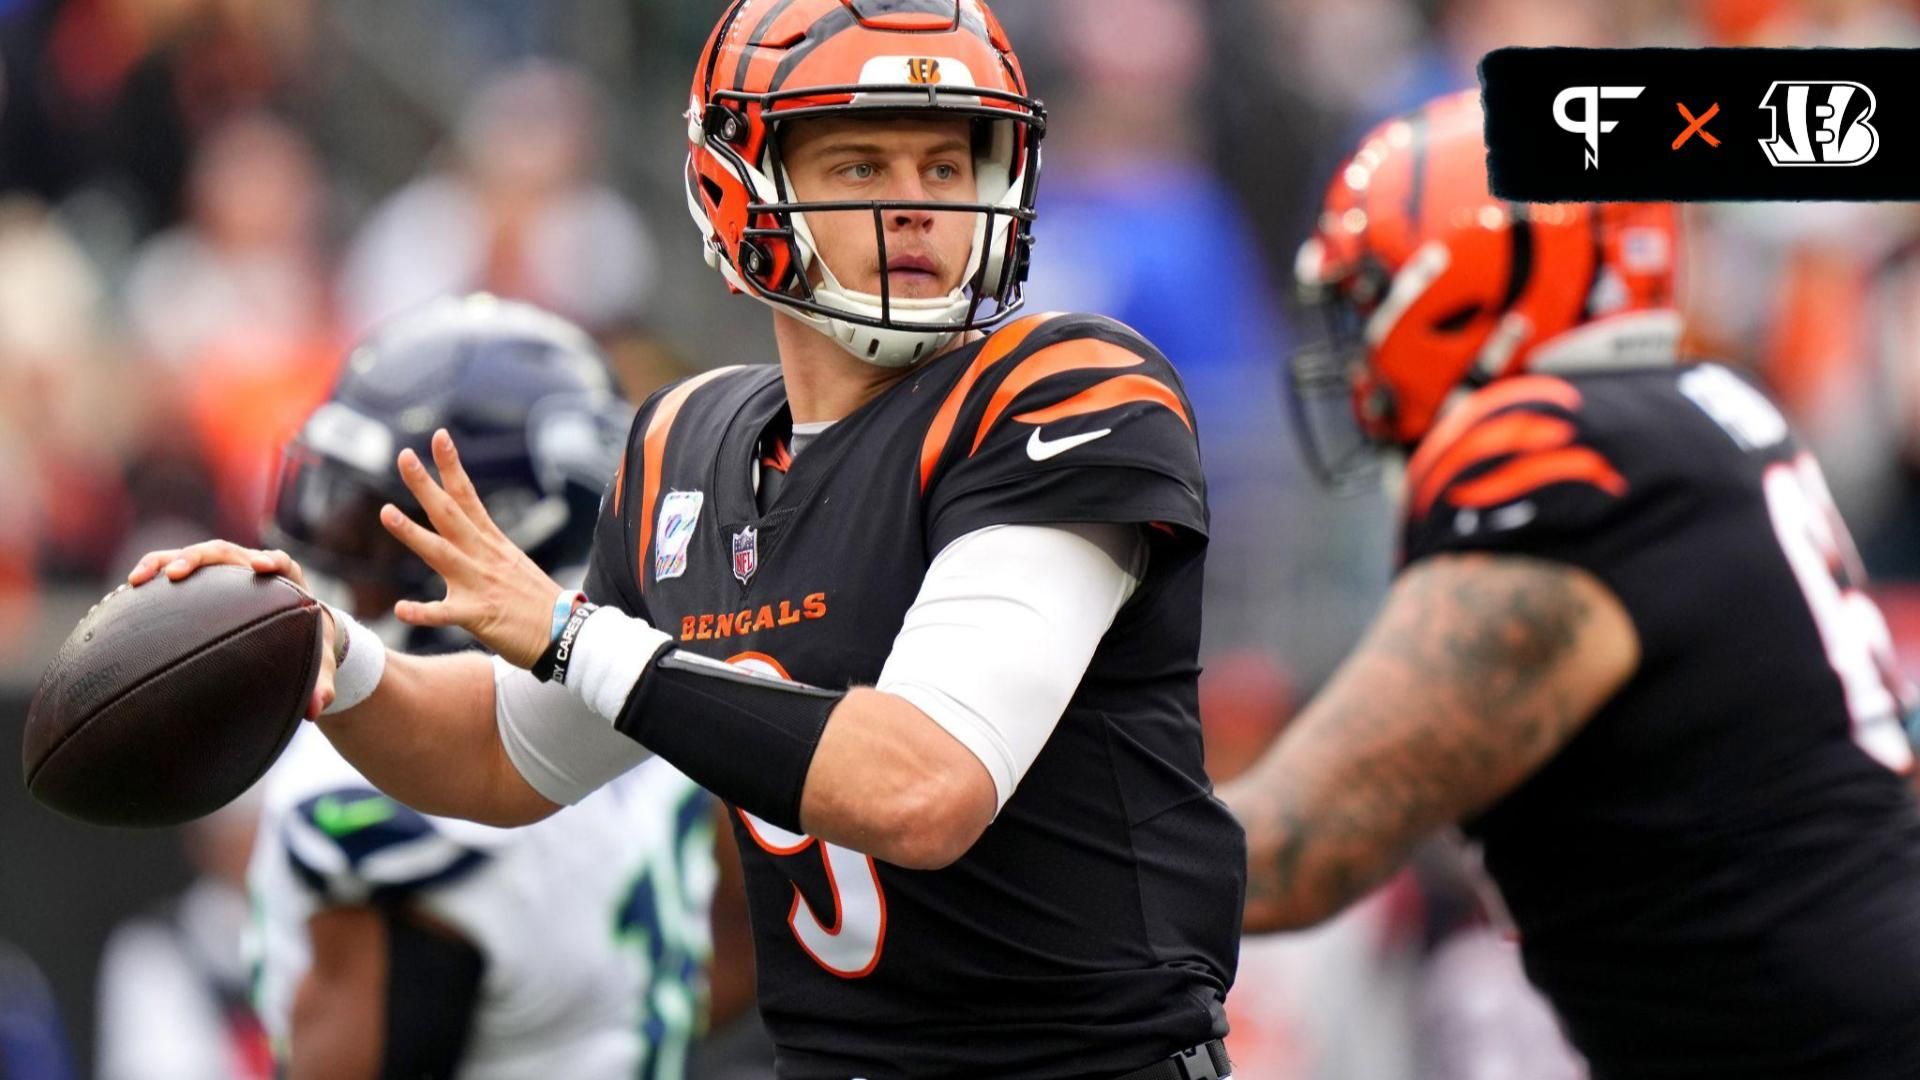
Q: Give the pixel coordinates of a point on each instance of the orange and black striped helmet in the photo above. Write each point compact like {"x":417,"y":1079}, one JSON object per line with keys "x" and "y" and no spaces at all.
{"x":1433,"y":286}
{"x":772,"y":62}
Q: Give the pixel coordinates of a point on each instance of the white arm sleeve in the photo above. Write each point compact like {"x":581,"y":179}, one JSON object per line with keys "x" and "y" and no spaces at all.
{"x":559,"y":744}
{"x":1002,"y":630}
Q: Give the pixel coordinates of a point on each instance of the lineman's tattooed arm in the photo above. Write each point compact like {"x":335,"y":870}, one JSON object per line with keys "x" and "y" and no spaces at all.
{"x":1476,"y":672}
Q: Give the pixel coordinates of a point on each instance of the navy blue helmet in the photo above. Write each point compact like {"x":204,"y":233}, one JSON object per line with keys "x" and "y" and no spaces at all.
{"x":527,"y":399}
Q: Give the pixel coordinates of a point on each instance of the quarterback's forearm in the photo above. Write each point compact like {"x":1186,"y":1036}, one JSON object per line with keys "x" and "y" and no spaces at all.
{"x":427,"y":736}
{"x":910,"y":772}
{"x":986,"y":661}
{"x":890,"y":782}
{"x":862,"y":769}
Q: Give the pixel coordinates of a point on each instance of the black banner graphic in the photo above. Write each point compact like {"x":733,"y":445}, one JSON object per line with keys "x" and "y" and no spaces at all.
{"x":1587,"y":125}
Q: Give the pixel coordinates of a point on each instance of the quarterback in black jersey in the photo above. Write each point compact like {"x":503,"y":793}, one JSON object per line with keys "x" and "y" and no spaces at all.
{"x":1627,"y":648}
{"x":1095,"y":912}
{"x":921,"y":602}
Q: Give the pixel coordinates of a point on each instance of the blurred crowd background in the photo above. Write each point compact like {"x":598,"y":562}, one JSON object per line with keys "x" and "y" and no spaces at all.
{"x":203,"y":202}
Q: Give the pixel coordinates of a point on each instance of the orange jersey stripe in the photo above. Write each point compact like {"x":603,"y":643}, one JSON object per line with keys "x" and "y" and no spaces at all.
{"x":1513,"y":433}
{"x":653,"y":453}
{"x":1117,"y":391}
{"x":1075,"y":355}
{"x":1505,"y":394}
{"x":996,"y":349}
{"x":1523,"y":475}
{"x":619,"y":484}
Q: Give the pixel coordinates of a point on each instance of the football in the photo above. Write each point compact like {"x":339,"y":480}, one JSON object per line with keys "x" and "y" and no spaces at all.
{"x":169,"y":700}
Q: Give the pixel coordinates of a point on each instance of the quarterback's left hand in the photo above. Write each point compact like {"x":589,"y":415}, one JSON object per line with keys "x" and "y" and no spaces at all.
{"x":494,"y":591}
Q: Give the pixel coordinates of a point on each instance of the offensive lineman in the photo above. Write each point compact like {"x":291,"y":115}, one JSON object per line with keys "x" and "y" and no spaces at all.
{"x":1628,"y":648}
{"x":986,"y":846}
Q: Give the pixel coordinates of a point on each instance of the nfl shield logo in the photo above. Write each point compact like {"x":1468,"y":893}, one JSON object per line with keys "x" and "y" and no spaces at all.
{"x":746,"y":553}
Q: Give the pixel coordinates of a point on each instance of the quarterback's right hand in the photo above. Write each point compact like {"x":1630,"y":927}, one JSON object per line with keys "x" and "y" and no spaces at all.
{"x":177,"y":563}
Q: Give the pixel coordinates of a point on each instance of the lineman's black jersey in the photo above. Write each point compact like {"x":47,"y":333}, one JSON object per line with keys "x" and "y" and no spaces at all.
{"x":1720,"y":874}
{"x":1093,"y":928}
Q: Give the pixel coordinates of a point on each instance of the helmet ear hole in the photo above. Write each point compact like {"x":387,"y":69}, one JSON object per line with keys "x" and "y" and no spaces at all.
{"x":1458,"y":319}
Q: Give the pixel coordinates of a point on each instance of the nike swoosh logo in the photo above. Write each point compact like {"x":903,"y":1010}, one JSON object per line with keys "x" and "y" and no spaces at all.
{"x":1040,"y":449}
{"x":337,"y":818}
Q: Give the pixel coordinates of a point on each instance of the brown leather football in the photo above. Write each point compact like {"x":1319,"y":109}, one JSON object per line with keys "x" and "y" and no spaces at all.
{"x":169,"y":700}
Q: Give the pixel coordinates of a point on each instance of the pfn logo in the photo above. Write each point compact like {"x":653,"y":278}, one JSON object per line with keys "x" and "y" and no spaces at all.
{"x":1589,"y":124}
{"x":1826,"y":124}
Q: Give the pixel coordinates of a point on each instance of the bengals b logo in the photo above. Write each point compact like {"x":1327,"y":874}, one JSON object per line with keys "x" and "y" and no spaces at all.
{"x":1820,"y":123}
{"x":923,"y":71}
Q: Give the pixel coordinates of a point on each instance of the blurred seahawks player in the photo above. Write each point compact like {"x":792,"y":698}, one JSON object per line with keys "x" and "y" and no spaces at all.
{"x":388,"y":943}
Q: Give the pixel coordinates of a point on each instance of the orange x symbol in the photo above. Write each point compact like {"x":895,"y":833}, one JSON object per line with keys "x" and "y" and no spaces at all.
{"x":1697,"y":125}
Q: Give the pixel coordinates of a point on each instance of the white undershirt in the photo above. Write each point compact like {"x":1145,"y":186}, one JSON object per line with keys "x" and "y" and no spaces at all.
{"x":805,"y":433}
{"x":997,"y":640}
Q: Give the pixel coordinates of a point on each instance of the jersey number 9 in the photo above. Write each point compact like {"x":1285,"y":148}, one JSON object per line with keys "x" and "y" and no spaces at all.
{"x":850,"y":946}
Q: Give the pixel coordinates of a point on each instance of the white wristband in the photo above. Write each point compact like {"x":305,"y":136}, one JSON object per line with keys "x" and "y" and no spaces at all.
{"x":355,"y":678}
{"x":609,"y":656}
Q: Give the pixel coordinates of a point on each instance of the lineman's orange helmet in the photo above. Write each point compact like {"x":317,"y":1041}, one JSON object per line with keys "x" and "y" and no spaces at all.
{"x":772,"y":62}
{"x":1432,"y":286}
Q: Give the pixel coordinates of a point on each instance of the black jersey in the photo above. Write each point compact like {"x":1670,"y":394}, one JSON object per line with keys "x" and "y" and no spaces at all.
{"x":1720,"y":874}
{"x":1093,"y":928}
